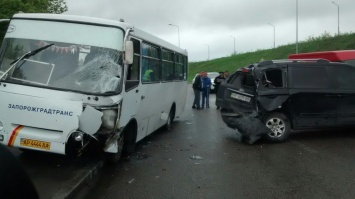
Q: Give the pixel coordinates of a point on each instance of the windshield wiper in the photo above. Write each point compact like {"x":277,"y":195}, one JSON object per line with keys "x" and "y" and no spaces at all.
{"x":25,"y":56}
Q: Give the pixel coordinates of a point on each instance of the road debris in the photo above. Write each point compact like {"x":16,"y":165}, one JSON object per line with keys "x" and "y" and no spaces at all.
{"x":183,"y":149}
{"x":142,"y":156}
{"x":196,"y":157}
{"x":131,"y":181}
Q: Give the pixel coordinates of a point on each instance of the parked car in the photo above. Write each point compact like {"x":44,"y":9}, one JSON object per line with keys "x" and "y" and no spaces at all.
{"x":212,"y":76}
{"x":284,"y":95}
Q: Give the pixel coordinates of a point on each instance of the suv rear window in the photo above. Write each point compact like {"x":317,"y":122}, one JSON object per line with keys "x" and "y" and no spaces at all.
{"x":241,"y":79}
{"x":248,"y":80}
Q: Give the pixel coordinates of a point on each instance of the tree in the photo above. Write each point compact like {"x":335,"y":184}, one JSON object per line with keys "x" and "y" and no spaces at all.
{"x":10,"y":7}
{"x":57,"y":6}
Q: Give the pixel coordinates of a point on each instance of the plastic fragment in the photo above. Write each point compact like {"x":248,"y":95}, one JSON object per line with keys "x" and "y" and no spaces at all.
{"x":196,"y":157}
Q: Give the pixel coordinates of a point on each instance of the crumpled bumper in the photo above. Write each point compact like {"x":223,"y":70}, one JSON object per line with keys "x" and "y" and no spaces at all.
{"x":249,"y":125}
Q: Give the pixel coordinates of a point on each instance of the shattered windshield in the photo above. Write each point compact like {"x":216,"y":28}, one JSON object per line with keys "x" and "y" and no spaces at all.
{"x":69,"y":64}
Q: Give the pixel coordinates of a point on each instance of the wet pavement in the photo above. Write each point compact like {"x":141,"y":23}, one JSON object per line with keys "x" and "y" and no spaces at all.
{"x":202,"y":158}
{"x":58,"y":176}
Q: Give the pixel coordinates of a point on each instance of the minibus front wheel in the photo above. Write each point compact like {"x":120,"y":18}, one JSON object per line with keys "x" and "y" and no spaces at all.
{"x":170,"y":119}
{"x":115,"y":157}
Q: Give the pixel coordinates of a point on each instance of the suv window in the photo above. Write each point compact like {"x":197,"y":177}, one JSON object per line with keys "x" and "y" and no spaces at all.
{"x":309,"y":77}
{"x":248,"y":80}
{"x":345,"y":76}
{"x":240,"y":79}
{"x":272,"y":78}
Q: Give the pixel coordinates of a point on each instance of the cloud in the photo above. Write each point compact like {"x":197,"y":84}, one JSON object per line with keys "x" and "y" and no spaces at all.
{"x":213,"y":22}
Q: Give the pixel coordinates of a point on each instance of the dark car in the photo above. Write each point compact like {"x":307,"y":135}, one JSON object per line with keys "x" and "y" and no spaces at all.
{"x":288,"y":94}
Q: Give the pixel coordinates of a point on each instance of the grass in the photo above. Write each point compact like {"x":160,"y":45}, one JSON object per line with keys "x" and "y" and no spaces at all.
{"x":325,"y":42}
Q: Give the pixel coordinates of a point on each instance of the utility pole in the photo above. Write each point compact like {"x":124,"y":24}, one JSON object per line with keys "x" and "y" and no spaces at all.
{"x":274,"y":33}
{"x":208,"y":52}
{"x":178,"y":31}
{"x":338,"y":16}
{"x":234,"y":44}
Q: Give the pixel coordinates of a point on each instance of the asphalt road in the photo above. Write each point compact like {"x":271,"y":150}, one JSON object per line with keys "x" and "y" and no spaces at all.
{"x":202,"y":158}
{"x":58,"y":176}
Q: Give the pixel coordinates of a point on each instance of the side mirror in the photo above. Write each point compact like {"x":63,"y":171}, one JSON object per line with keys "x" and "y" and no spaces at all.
{"x":129,"y":52}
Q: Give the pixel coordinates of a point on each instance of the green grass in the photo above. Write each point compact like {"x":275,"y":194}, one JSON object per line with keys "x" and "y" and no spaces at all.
{"x":324,"y":42}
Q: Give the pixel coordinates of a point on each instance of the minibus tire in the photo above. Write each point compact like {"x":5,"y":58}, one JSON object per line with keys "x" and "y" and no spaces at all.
{"x":170,"y":120}
{"x":115,"y":157}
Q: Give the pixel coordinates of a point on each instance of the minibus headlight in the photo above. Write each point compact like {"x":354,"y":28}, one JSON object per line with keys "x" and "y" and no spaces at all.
{"x":109,"y":118}
{"x":1,"y":125}
{"x":78,"y":136}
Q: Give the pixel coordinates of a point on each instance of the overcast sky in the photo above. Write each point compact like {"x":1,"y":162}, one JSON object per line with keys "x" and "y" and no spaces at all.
{"x":213,"y":25}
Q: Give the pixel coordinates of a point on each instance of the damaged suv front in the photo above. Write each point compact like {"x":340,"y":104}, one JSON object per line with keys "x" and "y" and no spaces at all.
{"x":253,"y":102}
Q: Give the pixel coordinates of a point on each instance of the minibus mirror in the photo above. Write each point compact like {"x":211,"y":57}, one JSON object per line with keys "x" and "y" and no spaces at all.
{"x":129,"y":52}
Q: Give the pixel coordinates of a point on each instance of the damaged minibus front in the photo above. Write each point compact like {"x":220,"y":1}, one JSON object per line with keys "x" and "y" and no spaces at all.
{"x":60,"y":83}
{"x":68,"y":81}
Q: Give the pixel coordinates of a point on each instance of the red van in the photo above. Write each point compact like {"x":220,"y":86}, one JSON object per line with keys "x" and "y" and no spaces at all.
{"x":346,"y":56}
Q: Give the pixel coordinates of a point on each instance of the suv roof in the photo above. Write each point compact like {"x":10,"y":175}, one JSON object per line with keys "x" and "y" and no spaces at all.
{"x":270,"y":63}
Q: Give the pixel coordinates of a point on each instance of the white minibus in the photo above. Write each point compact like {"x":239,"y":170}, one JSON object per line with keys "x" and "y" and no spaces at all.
{"x":69,"y":81}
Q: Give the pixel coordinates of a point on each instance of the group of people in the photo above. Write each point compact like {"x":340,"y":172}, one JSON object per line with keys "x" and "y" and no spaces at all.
{"x":202,"y":84}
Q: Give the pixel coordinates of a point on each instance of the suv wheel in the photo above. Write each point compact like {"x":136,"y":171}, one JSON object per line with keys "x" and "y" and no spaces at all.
{"x":279,"y":125}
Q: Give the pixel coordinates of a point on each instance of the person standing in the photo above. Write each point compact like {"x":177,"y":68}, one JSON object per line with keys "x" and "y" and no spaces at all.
{"x":226,"y":74}
{"x":197,"y":86}
{"x":206,"y":86}
{"x":217,"y":81}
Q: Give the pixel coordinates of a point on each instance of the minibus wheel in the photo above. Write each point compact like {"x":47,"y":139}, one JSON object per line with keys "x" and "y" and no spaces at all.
{"x":170,"y":119}
{"x":279,"y":125}
{"x":115,"y":157}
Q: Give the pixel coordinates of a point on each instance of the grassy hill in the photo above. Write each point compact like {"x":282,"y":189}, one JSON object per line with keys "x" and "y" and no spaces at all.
{"x":324,"y":42}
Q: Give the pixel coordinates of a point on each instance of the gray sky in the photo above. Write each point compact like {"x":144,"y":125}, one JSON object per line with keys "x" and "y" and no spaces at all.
{"x":210,"y":24}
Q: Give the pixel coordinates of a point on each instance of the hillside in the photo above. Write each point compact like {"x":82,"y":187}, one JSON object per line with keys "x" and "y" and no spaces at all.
{"x":322,"y":43}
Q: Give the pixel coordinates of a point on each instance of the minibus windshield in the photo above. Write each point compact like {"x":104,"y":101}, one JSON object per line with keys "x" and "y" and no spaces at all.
{"x":83,"y":58}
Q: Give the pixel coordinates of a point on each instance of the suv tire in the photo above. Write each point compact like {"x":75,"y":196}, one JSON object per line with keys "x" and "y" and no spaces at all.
{"x":279,"y":125}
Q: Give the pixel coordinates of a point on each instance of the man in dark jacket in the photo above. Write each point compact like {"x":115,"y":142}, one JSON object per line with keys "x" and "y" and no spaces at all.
{"x":14,"y":181}
{"x":197,"y":86}
{"x":217,"y":81}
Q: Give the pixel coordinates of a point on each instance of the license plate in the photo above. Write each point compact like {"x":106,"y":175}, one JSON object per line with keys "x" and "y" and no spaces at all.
{"x":35,"y":144}
{"x":240,"y":97}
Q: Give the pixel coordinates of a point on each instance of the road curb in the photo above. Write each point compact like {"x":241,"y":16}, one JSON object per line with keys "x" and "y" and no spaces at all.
{"x":80,"y":179}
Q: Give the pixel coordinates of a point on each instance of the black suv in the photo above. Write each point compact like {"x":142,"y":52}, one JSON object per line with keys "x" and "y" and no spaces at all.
{"x":288,"y":94}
